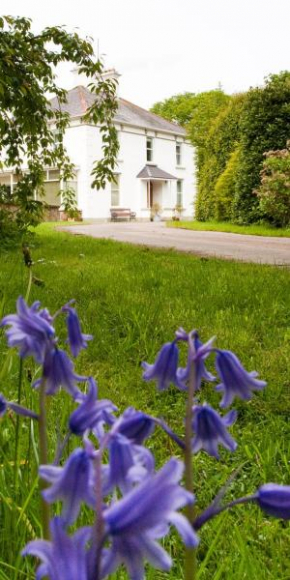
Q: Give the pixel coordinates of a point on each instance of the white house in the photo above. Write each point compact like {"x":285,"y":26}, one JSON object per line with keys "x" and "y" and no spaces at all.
{"x":155,"y":162}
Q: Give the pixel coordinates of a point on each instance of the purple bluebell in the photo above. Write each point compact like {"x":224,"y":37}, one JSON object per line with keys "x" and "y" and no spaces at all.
{"x":65,"y":557}
{"x":91,"y":413}
{"x":164,"y":368}
{"x":128,"y":464}
{"x":135,"y":425}
{"x":77,"y":340}
{"x":72,"y":484}
{"x":236,"y":381}
{"x":31,"y":330}
{"x":58,"y":371}
{"x":210,"y":430}
{"x":134,"y":523}
{"x":5,"y":405}
{"x":197,"y":355}
{"x":274,"y":499}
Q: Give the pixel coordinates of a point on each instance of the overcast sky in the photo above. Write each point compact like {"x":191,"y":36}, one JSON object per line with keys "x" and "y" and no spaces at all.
{"x":165,"y":47}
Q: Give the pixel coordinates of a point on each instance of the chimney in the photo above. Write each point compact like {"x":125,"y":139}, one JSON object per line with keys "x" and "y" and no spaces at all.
{"x":84,"y":81}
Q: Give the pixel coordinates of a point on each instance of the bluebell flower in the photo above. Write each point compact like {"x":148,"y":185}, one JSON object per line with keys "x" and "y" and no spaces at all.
{"x":31,"y":330}
{"x":135,"y":425}
{"x":134,"y":523}
{"x":5,"y":405}
{"x":65,"y":557}
{"x":274,"y":499}
{"x":77,"y":340}
{"x":91,"y":413}
{"x":128,"y":464}
{"x":165,"y":367}
{"x":72,"y":484}
{"x":211,"y":430}
{"x":196,"y":355}
{"x":236,"y":381}
{"x":58,"y":371}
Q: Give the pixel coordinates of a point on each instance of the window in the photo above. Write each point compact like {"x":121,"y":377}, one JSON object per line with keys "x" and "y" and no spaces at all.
{"x":6,"y":186}
{"x":58,"y":138}
{"x":115,"y":191}
{"x":179,"y":192}
{"x":51,"y":187}
{"x":8,"y":183}
{"x":149,"y":149}
{"x":178,"y":153}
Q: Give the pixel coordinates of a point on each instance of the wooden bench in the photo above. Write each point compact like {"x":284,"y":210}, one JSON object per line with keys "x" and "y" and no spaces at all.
{"x":121,"y":213}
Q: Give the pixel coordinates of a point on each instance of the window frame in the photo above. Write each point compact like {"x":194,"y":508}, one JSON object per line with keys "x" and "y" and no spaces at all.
{"x":179,"y":192}
{"x":178,"y":153}
{"x":149,"y":149}
{"x":115,"y":188}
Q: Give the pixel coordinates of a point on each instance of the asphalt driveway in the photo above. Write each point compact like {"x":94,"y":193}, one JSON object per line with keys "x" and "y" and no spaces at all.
{"x":262,"y":250}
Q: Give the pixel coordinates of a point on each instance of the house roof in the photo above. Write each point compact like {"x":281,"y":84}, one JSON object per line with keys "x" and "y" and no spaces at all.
{"x":154,"y":172}
{"x":80,"y":99}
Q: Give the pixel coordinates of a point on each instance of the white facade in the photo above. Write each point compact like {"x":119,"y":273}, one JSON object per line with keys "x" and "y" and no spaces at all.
{"x":84,"y":144}
{"x":167,"y":171}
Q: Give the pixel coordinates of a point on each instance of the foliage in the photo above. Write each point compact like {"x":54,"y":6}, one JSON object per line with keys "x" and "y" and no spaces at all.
{"x":224,"y":190}
{"x":265,"y":126}
{"x":274,"y":191}
{"x":98,"y":472}
{"x":27,"y":121}
{"x":207,"y":107}
{"x":222,"y":139}
{"x":130,"y":327}
{"x":179,"y":108}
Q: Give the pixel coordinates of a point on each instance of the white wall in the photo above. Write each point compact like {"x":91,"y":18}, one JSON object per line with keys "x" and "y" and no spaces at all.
{"x":84,"y":146}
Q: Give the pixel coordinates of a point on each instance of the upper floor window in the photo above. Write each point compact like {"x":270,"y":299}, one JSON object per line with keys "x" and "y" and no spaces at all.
{"x":149,"y":149}
{"x":58,"y":138}
{"x":115,"y":191}
{"x":178,"y":153}
{"x":179,"y":192}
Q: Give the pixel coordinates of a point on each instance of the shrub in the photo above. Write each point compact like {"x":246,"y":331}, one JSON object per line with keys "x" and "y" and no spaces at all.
{"x":224,"y":190}
{"x":265,"y":125}
{"x":274,"y":191}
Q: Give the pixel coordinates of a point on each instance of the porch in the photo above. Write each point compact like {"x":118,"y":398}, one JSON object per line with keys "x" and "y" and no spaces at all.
{"x":158,"y":193}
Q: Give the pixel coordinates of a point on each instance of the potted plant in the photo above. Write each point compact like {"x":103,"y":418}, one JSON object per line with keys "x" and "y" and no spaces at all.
{"x":155,"y":215}
{"x":177,"y":211}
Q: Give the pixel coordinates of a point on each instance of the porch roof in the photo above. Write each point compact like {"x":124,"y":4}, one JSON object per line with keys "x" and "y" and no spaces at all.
{"x":154,"y":172}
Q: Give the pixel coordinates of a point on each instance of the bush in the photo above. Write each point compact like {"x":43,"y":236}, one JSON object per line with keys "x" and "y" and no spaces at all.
{"x":265,"y":125}
{"x":222,"y":140}
{"x":274,"y":191}
{"x":224,"y":190}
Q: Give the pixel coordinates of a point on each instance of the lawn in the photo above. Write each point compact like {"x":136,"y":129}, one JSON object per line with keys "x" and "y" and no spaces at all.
{"x":212,"y":226}
{"x":132,"y":299}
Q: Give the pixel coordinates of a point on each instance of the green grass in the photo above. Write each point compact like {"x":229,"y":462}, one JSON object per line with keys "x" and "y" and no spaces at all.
{"x":132,"y":300}
{"x":212,"y":226}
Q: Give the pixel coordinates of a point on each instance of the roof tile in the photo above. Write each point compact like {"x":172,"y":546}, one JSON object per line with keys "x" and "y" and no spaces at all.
{"x":80,"y":99}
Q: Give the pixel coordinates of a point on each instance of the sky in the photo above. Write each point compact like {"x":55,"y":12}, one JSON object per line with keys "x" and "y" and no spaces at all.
{"x":165,"y":47}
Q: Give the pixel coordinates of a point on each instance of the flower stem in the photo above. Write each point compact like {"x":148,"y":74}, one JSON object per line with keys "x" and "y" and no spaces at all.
{"x":190,"y":553}
{"x":43,"y":456}
{"x":29,"y":285}
{"x":98,"y":537}
{"x":16,"y":451}
{"x":214,"y":510}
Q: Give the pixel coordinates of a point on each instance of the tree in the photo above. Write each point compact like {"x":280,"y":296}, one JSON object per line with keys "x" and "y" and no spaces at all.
{"x":274,"y":191}
{"x":221,"y":140}
{"x":179,"y":108}
{"x":27,"y":83}
{"x":265,"y":126}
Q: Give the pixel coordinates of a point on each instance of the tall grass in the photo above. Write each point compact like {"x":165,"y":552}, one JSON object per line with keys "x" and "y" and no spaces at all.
{"x":132,"y":300}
